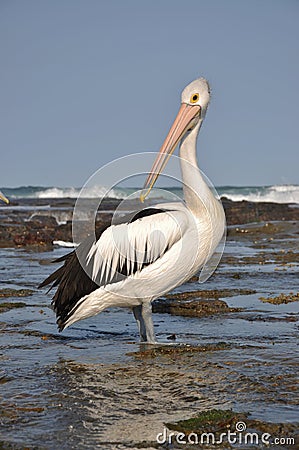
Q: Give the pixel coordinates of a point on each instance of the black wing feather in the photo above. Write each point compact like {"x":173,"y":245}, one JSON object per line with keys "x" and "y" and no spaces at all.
{"x":72,"y":280}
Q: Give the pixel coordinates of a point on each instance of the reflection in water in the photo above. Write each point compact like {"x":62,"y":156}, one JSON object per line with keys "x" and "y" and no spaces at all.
{"x":129,"y":403}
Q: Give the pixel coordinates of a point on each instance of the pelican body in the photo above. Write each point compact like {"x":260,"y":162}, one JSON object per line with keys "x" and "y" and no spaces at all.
{"x":147,"y":254}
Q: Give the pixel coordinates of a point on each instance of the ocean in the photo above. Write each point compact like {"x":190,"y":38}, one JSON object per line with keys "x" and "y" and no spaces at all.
{"x":288,"y":193}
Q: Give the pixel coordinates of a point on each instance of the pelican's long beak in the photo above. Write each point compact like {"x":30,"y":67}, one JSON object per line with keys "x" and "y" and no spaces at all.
{"x":181,"y":124}
{"x":2,"y":197}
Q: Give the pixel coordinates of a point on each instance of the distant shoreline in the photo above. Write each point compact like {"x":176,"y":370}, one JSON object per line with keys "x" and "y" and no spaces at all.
{"x":280,"y":193}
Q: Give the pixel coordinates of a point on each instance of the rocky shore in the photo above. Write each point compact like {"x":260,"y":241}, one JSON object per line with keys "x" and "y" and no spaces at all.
{"x":227,"y":353}
{"x":41,"y":222}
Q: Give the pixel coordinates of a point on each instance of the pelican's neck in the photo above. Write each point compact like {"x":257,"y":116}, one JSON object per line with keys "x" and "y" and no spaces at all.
{"x":197,"y":194}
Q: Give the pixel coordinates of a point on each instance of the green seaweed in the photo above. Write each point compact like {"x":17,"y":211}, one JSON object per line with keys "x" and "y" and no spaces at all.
{"x":209,"y":420}
{"x":5,"y":306}
{"x":281,"y":298}
{"x":7,"y":292}
{"x":176,"y":350}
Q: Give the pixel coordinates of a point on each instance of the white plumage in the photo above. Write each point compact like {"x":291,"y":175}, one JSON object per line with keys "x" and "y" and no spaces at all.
{"x":134,"y":262}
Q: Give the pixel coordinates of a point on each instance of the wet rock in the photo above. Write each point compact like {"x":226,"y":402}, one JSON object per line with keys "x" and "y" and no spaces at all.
{"x":24,"y":234}
{"x":198,"y":303}
{"x":174,"y":350}
{"x":212,"y":420}
{"x":23,"y":225}
{"x":7,"y":292}
{"x":41,"y":230}
{"x":32,"y":238}
{"x":63,"y":233}
{"x":192,"y":308}
{"x":216,"y":421}
{"x":210,"y":293}
{"x":43,"y":221}
{"x":265,"y":231}
{"x":282,"y":258}
{"x":5,"y":306}
{"x":281,"y":298}
{"x":246,"y":212}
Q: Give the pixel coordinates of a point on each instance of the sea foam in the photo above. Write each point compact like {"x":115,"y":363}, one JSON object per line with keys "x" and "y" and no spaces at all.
{"x":276,"y":193}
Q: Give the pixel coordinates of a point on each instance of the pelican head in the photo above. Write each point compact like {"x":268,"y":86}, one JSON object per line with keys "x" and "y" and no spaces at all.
{"x":194,"y":103}
{"x":2,"y":197}
{"x":197,"y":93}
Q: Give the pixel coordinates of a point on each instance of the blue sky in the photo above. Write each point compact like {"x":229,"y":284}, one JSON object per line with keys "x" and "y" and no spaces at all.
{"x":83,"y":82}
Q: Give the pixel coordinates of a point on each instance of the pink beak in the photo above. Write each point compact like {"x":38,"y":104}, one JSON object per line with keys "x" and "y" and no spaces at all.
{"x":178,"y":129}
{"x":2,"y":197}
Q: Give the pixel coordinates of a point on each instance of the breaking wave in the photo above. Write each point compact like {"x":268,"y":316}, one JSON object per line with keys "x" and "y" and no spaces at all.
{"x":275,"y":193}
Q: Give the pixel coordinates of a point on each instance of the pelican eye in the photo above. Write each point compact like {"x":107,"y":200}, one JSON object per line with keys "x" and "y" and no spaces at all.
{"x":194,"y":98}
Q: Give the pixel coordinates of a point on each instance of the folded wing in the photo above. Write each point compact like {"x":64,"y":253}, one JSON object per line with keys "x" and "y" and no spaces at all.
{"x":121,"y":251}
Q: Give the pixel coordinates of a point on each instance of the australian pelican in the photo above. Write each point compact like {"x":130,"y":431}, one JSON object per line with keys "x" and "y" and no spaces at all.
{"x":133,"y":262}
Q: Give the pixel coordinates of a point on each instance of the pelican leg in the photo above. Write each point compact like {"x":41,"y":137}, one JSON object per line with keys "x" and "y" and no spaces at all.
{"x":137,"y":311}
{"x":143,"y":316}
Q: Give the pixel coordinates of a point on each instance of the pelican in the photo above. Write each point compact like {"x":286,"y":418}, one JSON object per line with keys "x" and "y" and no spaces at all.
{"x":145,"y":255}
{"x":3,"y":198}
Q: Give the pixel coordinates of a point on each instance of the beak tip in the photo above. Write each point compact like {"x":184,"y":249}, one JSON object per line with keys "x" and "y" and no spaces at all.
{"x":4,"y":199}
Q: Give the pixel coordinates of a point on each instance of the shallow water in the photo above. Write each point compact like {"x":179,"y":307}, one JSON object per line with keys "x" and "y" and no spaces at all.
{"x":93,"y":386}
